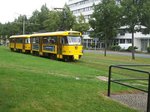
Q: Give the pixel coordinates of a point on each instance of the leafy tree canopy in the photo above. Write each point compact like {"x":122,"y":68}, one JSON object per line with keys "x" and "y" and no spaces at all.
{"x":81,"y":24}
{"x":106,"y":20}
{"x":44,"y":20}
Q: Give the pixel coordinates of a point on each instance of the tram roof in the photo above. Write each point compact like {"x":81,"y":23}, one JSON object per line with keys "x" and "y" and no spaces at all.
{"x":20,"y":36}
{"x":58,"y":33}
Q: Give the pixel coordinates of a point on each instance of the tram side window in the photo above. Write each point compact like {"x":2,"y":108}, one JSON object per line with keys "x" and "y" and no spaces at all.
{"x":64,"y":40}
{"x":53,"y":40}
{"x":27,"y":40}
{"x":12,"y":40}
{"x":45,"y":40}
{"x":19,"y":40}
{"x":35,"y":40}
{"x":49,"y":40}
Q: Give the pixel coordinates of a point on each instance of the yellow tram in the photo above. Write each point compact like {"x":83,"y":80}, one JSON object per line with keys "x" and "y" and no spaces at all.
{"x":64,"y":45}
{"x":20,"y":43}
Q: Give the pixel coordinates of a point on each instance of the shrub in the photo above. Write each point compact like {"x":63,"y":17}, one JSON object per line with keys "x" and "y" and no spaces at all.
{"x":115,"y":48}
{"x":130,"y":48}
{"x":148,"y":49}
{"x":93,"y":45}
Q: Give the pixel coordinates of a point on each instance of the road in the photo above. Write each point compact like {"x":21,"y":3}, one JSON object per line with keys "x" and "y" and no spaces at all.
{"x":142,"y":55}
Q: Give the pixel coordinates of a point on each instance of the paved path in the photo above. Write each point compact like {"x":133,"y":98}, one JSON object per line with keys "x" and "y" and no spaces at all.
{"x":119,"y":53}
{"x":137,"y":101}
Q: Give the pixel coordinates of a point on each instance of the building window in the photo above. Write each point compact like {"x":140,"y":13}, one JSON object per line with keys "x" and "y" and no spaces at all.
{"x":122,"y":41}
{"x":129,"y":40}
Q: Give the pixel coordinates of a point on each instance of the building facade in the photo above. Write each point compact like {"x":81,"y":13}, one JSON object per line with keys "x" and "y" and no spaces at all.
{"x":124,"y":40}
{"x":141,"y":41}
{"x":84,"y":7}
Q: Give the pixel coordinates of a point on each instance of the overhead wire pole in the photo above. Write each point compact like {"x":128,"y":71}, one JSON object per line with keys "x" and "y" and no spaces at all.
{"x":23,"y":29}
{"x":24,"y":22}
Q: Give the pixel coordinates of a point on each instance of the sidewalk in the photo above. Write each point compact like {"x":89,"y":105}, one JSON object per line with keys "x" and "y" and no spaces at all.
{"x":142,"y":55}
{"x":137,"y":101}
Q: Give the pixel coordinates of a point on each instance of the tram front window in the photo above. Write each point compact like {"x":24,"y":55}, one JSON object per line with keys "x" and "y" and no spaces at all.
{"x":73,"y":40}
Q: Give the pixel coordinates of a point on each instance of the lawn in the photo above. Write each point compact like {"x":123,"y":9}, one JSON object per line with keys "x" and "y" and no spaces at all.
{"x":34,"y":84}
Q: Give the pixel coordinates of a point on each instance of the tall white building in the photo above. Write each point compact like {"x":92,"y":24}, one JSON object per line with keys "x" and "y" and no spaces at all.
{"x":84,"y":7}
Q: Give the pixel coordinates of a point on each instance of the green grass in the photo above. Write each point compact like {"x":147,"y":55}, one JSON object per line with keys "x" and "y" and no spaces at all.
{"x":35,"y":84}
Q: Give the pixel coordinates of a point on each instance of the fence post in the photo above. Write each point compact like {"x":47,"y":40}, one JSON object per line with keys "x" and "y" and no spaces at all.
{"x":148,"y":99}
{"x":109,"y":81}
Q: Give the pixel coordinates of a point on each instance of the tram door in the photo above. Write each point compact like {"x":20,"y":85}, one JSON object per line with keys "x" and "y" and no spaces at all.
{"x":23,"y":44}
{"x":59,"y":48}
{"x":15,"y":40}
{"x":40,"y":46}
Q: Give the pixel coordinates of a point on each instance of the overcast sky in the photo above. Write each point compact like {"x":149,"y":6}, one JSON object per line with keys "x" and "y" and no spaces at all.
{"x":11,"y":9}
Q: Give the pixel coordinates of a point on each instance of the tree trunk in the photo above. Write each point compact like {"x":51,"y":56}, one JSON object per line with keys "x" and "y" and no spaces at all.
{"x":133,"y":50}
{"x":105,"y":47}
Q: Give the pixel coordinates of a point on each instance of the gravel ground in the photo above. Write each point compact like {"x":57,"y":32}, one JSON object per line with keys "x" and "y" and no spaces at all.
{"x":137,"y":101}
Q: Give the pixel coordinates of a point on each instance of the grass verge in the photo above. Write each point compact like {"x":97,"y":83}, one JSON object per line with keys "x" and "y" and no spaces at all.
{"x":35,"y":84}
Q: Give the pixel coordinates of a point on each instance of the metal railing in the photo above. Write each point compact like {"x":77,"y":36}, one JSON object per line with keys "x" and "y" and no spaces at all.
{"x":118,"y":81}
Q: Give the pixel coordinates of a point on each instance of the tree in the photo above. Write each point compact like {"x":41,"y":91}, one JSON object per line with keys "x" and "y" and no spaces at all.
{"x":105,"y":20}
{"x":53,"y":21}
{"x":133,"y":14}
{"x":81,"y":25}
{"x":40,"y":21}
{"x":20,"y":24}
{"x":145,"y":20}
{"x":34,"y":20}
{"x":67,"y":19}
